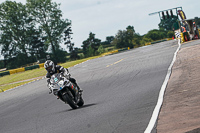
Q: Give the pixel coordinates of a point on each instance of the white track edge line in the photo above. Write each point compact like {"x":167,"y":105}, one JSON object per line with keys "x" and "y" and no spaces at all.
{"x":156,"y":111}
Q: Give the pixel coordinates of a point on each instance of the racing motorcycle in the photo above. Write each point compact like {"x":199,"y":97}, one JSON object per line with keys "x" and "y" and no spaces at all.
{"x":66,"y":90}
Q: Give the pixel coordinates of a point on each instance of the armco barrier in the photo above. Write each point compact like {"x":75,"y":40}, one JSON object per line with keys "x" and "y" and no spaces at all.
{"x":122,"y":49}
{"x":169,"y":39}
{"x":41,"y":65}
{"x":16,"y":70}
{"x":147,"y":44}
{"x":4,"y":73}
{"x":13,"y":71}
{"x":159,"y":41}
{"x":31,"y":67}
{"x":115,"y":51}
{"x":20,"y":70}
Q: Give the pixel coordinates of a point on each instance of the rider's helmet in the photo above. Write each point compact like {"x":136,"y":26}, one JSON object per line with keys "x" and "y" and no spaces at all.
{"x":49,"y":66}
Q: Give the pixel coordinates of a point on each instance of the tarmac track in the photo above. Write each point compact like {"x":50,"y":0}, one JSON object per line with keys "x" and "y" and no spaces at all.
{"x":120,"y":93}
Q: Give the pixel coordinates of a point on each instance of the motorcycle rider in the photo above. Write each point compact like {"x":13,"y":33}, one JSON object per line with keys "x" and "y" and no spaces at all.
{"x":52,"y":69}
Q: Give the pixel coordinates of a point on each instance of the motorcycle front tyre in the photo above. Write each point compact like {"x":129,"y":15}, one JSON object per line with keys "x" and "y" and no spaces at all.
{"x":81,"y":102}
{"x":71,"y":103}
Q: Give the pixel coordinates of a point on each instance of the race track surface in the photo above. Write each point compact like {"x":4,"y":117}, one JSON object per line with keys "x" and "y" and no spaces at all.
{"x":120,"y":93}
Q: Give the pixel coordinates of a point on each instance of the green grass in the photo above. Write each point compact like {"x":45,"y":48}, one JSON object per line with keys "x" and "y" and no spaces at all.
{"x":5,"y":81}
{"x":22,"y":76}
{"x":7,"y":87}
{"x":73,"y":63}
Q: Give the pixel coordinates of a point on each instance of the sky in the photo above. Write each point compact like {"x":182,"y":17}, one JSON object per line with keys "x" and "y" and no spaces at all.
{"x":105,"y":17}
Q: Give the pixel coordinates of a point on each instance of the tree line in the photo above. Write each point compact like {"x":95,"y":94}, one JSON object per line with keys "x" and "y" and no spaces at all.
{"x":28,"y":31}
{"x":123,"y":39}
{"x":32,"y":31}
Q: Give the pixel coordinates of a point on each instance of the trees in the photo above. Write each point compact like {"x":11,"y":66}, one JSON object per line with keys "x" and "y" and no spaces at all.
{"x":126,"y":38}
{"x":91,"y":45}
{"x":67,"y":39}
{"x":29,"y":30}
{"x":108,"y":40}
{"x":119,"y":40}
{"x":73,"y":51}
{"x":145,"y":40}
{"x":167,"y":24}
{"x":74,"y":54}
{"x":16,"y":27}
{"x":37,"y":47}
{"x":48,"y":17}
{"x":170,"y":34}
{"x":130,"y":28}
{"x":156,"y":34}
{"x":197,"y":20}
{"x":100,"y":49}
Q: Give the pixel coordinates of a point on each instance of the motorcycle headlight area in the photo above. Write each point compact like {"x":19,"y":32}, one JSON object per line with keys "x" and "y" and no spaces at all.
{"x":61,"y":83}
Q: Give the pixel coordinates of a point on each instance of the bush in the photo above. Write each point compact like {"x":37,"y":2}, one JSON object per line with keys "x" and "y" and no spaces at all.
{"x":145,"y":40}
{"x":81,"y":56}
{"x":101,"y":49}
{"x":170,"y":34}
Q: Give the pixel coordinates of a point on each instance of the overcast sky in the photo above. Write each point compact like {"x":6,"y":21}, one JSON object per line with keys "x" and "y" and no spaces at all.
{"x":105,"y":17}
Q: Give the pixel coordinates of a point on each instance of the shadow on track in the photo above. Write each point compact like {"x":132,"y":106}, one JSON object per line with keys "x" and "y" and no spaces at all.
{"x":84,"y":106}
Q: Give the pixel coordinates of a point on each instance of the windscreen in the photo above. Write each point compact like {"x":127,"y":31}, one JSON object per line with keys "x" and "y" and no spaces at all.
{"x":56,"y":78}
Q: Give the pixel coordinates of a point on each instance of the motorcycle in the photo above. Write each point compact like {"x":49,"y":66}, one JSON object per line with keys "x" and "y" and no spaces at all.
{"x":66,"y":90}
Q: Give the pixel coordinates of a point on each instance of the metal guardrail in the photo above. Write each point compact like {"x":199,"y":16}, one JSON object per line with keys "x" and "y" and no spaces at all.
{"x":13,"y":71}
{"x":159,"y":41}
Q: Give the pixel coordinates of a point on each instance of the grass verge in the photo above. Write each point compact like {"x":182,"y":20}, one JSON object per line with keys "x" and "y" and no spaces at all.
{"x":7,"y":87}
{"x":7,"y":82}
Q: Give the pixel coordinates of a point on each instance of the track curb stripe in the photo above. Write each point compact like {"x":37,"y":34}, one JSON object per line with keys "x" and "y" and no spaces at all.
{"x":156,"y":111}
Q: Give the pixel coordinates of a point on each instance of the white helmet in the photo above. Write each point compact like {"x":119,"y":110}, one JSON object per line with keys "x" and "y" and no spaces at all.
{"x":49,"y":66}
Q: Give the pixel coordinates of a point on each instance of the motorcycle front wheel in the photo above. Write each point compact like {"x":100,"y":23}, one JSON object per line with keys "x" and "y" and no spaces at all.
{"x":81,"y":102}
{"x":71,"y":102}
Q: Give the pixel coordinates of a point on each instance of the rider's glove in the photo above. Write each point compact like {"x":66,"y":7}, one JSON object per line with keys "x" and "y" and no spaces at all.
{"x":49,"y":86}
{"x":67,"y":74}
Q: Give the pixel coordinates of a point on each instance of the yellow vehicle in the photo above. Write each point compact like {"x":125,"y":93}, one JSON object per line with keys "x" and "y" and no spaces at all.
{"x":189,"y":30}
